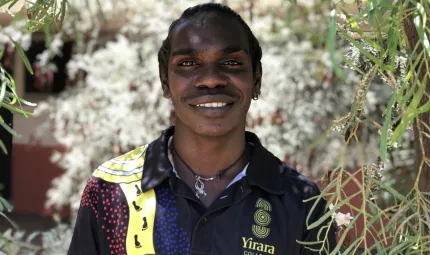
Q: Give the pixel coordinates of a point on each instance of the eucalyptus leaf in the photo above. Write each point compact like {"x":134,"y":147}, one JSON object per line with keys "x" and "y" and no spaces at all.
{"x":331,"y":44}
{"x":63,"y":12}
{"x":31,"y":237}
{"x":3,"y":148}
{"x":6,"y":205}
{"x":384,"y":131}
{"x":12,"y":86}
{"x":361,"y":48}
{"x":8,"y":129}
{"x":23,"y":56}
{"x":420,"y":19}
{"x":3,"y":84}
{"x":4,"y":2}
{"x":12,"y":4}
{"x":11,"y":222}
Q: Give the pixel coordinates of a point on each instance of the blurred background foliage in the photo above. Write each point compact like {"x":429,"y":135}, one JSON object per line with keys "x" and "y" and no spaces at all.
{"x":32,"y":16}
{"x":345,"y":100}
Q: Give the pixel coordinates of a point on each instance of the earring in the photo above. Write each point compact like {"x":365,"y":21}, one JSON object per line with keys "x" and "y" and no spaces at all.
{"x":255,"y":97}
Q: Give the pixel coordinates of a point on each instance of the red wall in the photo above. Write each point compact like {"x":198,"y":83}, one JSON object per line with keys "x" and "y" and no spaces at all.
{"x":32,"y":174}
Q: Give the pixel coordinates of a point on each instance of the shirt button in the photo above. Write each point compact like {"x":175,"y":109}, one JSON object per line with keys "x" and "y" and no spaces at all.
{"x":204,"y":220}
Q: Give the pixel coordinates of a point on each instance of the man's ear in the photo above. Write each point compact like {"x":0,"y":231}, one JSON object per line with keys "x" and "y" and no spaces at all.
{"x":257,"y":80}
{"x":164,"y":81}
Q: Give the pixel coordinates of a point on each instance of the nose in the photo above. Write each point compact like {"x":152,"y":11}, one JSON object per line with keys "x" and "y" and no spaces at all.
{"x":210,"y":77}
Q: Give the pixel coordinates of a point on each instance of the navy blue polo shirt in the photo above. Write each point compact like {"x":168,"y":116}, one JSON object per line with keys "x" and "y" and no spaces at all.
{"x":135,"y":204}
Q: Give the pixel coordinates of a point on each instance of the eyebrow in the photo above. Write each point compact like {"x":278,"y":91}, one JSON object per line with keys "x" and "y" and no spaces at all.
{"x":194,"y":52}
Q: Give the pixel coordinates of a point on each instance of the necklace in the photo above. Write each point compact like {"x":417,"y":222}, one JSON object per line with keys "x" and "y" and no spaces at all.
{"x":199,"y":185}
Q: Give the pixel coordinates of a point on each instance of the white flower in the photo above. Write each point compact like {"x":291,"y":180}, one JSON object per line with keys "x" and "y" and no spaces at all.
{"x":341,"y":219}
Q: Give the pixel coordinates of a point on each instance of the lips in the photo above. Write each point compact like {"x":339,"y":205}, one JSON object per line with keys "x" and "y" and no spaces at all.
{"x":212,"y":106}
{"x":212,"y":101}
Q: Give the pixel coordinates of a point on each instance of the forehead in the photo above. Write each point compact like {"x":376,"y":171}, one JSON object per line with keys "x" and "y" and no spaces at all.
{"x":209,"y":32}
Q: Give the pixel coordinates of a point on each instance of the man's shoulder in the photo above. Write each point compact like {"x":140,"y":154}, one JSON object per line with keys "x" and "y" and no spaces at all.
{"x":123,"y":169}
{"x":297,"y":184}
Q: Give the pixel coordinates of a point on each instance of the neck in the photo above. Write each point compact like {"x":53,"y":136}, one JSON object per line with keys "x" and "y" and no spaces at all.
{"x":207,"y":155}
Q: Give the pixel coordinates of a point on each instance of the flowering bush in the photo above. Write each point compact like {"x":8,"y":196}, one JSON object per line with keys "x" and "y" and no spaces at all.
{"x":116,"y":101}
{"x":111,"y":109}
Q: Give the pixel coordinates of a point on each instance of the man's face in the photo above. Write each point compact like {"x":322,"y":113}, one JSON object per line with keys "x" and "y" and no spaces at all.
{"x":210,"y":77}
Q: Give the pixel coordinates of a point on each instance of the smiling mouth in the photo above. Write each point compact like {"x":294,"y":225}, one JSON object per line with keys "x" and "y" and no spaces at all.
{"x":212,"y":105}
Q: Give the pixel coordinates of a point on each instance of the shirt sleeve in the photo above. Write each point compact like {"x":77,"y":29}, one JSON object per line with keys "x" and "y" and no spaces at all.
{"x":85,"y":236}
{"x":312,"y":234}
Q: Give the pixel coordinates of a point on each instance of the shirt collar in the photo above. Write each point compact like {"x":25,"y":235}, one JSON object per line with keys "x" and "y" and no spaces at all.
{"x":264,"y":168}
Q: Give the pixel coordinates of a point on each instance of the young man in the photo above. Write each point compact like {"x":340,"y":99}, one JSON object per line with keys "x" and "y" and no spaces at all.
{"x":206,"y":186}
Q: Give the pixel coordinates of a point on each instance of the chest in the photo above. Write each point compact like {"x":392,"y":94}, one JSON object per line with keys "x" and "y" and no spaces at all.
{"x":251,"y":225}
{"x":161,"y":222}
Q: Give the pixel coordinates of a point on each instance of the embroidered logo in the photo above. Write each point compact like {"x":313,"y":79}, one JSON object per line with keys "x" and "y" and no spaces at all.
{"x":262,"y":218}
{"x":260,"y":229}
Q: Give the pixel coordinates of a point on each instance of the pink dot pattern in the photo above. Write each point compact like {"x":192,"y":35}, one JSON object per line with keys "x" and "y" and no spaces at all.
{"x":109,"y":205}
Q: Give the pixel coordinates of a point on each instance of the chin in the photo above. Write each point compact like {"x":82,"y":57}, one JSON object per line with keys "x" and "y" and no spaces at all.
{"x":212,"y":131}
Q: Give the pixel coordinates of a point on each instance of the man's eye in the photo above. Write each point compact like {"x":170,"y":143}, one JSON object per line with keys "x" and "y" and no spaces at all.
{"x":231,"y":63}
{"x":188,"y":63}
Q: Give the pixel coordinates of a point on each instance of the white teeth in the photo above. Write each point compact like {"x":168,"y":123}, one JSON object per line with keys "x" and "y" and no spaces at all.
{"x":212,"y":105}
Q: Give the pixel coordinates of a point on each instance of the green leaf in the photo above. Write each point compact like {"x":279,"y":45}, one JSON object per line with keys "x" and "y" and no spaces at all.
{"x":3,"y":147}
{"x":330,"y":212}
{"x":409,"y":75}
{"x":3,"y":84}
{"x":425,"y":108}
{"x":48,"y":35}
{"x":393,"y":32}
{"x":352,"y":65}
{"x":408,"y":94}
{"x":361,"y":48}
{"x":9,"y":129}
{"x":342,"y":238}
{"x":23,"y":56}
{"x":384,"y":132}
{"x":16,"y":110}
{"x":357,"y":29}
{"x":363,"y":12}
{"x":63,"y":11}
{"x":417,"y":98}
{"x":352,"y":246}
{"x":31,"y":237}
{"x":12,"y":4}
{"x":6,"y":205}
{"x":14,"y":225}
{"x":293,"y":1}
{"x":420,"y":28}
{"x":331,"y":44}
{"x":12,"y":87}
{"x":332,"y":184}
{"x":309,"y":243}
{"x":388,"y":188}
{"x":400,"y":130}
{"x":411,"y":113}
{"x":4,"y":2}
{"x":25,"y":102}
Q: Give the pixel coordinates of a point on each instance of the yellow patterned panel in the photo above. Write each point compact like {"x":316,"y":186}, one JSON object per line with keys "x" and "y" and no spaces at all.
{"x":141,"y":219}
{"x":123,"y":169}
{"x":124,"y":166}
{"x":118,"y":178}
{"x":131,"y":155}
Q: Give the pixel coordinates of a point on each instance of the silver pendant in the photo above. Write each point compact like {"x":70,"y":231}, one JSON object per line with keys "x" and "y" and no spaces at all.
{"x":200,"y":187}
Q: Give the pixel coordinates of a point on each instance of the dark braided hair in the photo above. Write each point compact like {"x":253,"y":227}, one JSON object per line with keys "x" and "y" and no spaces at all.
{"x":254,"y":45}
